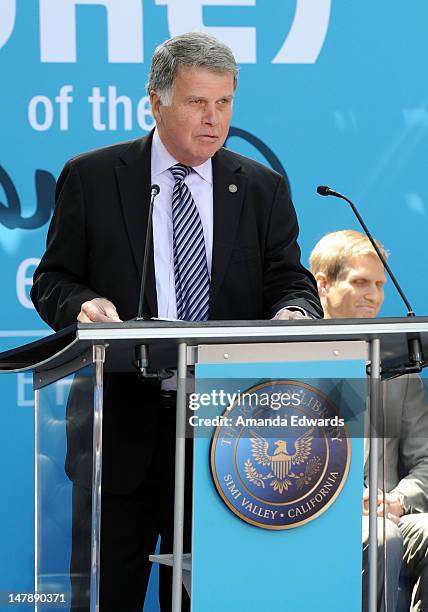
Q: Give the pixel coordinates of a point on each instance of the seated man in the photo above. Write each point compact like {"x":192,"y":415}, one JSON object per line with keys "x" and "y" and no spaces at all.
{"x":350,"y":279}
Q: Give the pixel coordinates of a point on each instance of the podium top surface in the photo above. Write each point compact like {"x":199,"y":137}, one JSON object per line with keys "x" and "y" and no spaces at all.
{"x":163,"y":337}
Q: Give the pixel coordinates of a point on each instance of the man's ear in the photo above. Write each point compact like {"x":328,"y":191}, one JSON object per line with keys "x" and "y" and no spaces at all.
{"x":155,"y":104}
{"x":322,"y":283}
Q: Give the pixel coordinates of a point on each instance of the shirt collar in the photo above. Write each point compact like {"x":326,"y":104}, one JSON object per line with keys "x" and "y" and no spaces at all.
{"x":162,"y":160}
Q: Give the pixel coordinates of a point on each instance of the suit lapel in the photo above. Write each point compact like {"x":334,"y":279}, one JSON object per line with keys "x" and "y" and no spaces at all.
{"x":134,"y":179}
{"x":229,"y":185}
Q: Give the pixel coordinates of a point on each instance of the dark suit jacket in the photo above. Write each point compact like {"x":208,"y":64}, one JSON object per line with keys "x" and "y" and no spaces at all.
{"x":95,"y":248}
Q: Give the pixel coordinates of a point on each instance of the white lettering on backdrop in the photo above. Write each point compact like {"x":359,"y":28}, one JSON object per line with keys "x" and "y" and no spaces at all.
{"x":125,"y":35}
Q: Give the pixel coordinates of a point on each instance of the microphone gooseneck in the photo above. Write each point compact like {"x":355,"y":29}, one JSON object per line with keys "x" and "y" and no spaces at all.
{"x":154,"y":191}
{"x":142,"y":350}
{"x":414,"y":344}
{"x":326,"y":191}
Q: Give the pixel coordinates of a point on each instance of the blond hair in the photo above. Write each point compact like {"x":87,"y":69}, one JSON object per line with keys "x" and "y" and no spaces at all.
{"x":332,"y":253}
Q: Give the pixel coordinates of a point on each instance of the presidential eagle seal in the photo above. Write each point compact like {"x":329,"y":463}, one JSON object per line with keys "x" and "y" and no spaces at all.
{"x":283,"y":456}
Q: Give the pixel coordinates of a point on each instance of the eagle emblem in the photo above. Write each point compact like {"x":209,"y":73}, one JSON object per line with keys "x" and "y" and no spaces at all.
{"x":280,"y":463}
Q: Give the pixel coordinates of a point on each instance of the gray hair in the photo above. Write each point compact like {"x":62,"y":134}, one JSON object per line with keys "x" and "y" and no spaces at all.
{"x":193,"y":49}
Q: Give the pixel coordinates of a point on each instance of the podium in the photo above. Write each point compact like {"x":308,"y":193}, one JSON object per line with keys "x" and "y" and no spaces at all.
{"x":297,"y":552}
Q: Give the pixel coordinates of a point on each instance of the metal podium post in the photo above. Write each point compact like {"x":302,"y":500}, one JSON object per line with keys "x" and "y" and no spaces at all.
{"x":373,"y":473}
{"x":180,"y":458}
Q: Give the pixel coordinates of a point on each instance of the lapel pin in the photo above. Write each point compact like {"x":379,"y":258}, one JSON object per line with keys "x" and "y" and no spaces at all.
{"x":233,"y":188}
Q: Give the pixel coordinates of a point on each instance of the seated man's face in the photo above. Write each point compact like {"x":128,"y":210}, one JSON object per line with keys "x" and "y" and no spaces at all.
{"x":358,"y":292}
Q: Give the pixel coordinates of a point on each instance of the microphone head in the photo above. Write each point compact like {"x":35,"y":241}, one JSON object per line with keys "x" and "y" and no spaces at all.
{"x":155,"y":189}
{"x":323,"y":190}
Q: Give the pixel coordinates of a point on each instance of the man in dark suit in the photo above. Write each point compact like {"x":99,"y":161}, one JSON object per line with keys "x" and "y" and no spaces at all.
{"x":224,"y":236}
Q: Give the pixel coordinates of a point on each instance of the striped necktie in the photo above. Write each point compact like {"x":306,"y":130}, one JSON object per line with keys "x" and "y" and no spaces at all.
{"x":192,"y":282}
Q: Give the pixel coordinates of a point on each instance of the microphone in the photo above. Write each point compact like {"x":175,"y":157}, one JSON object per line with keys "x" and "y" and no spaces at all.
{"x":415,"y":348}
{"x":154,"y":191}
{"x":326,"y":191}
{"x":142,"y":350}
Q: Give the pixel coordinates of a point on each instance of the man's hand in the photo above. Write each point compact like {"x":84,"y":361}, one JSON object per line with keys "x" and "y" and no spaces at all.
{"x":285,"y":314}
{"x":98,"y":310}
{"x":388,"y":505}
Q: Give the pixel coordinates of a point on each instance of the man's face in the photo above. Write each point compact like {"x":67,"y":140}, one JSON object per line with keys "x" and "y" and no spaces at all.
{"x":196,"y":123}
{"x":358,"y":292}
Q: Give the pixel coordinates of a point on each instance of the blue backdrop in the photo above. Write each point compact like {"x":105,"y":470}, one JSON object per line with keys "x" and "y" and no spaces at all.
{"x":334,"y":92}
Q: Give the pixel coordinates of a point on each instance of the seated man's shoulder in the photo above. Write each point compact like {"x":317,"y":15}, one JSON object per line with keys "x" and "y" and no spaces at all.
{"x":403,"y":387}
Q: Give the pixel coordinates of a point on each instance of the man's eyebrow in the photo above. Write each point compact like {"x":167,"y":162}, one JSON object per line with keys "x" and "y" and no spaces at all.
{"x":367,"y":279}
{"x":187,"y":98}
{"x":195,"y":97}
